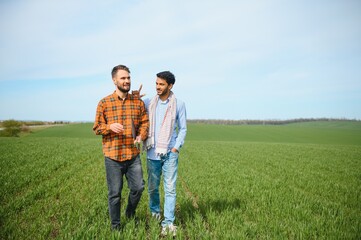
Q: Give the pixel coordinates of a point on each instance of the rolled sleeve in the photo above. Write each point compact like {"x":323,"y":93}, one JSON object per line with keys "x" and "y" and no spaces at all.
{"x":182,"y":125}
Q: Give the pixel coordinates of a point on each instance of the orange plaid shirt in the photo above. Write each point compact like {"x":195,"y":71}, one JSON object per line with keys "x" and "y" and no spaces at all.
{"x":131,"y":113}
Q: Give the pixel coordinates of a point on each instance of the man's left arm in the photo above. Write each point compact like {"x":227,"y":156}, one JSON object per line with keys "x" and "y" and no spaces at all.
{"x":182,"y":126}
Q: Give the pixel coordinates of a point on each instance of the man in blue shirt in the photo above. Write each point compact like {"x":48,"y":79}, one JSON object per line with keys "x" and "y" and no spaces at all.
{"x":167,"y":131}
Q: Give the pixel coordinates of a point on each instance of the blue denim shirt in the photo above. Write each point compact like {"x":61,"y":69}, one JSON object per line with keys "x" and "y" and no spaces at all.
{"x":177,"y":139}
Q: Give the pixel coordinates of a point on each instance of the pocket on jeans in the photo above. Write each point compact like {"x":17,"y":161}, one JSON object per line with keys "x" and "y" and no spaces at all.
{"x":173,"y":155}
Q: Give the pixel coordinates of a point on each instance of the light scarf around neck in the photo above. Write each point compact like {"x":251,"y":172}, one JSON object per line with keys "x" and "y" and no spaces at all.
{"x":167,"y":126}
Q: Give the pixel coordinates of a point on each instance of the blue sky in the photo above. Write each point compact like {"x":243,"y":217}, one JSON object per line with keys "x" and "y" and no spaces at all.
{"x":268,"y":59}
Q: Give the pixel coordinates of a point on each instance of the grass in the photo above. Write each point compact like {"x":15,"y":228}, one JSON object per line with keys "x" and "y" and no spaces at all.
{"x":67,"y":131}
{"x":311,"y":132}
{"x":275,"y":190}
{"x":235,"y":182}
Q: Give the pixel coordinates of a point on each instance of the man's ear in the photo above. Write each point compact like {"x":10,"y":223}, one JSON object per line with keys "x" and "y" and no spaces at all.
{"x":170,"y":86}
{"x":114,"y":81}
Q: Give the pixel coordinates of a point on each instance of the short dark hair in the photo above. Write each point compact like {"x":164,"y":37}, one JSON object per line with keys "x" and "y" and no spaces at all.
{"x":119,"y":67}
{"x":168,"y":76}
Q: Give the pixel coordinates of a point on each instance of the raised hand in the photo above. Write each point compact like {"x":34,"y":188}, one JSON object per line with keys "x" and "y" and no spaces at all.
{"x":140,"y":89}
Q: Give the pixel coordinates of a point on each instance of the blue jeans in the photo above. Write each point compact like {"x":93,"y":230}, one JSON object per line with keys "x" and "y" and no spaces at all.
{"x":168,"y":165}
{"x":115,"y":171}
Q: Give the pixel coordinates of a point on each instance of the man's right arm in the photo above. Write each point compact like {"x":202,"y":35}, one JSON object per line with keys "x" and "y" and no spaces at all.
{"x":100,"y":124}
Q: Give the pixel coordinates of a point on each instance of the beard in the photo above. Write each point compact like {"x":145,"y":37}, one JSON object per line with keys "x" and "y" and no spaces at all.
{"x":162,"y":92}
{"x":123,"y":89}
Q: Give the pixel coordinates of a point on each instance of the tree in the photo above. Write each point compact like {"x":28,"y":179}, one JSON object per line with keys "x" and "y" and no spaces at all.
{"x":12,"y":128}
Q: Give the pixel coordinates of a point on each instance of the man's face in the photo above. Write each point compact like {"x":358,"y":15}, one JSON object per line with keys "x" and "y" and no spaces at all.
{"x":122,"y":81}
{"x":162,"y":87}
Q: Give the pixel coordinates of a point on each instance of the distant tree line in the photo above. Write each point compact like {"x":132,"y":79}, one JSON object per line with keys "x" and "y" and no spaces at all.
{"x":12,"y":128}
{"x":264,"y":122}
{"x":36,"y":123}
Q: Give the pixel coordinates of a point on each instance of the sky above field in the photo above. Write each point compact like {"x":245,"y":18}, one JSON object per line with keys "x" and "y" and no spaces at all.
{"x":232,"y":59}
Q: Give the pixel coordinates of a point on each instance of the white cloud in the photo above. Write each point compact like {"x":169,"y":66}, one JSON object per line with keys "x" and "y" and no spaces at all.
{"x":53,"y":38}
{"x":68,"y":38}
{"x":240,"y":49}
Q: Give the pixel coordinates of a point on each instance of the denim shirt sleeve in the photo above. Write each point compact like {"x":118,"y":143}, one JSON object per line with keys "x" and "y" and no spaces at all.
{"x":146,"y":103}
{"x":181,"y":123}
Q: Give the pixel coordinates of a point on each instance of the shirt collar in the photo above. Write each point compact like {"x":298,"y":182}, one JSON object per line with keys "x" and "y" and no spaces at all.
{"x":115,"y":95}
{"x":163,"y":102}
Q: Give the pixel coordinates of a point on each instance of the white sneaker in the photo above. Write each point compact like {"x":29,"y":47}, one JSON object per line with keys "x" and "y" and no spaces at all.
{"x":156,"y":216}
{"x":172,"y":229}
{"x":164,"y":231}
{"x":169,"y":229}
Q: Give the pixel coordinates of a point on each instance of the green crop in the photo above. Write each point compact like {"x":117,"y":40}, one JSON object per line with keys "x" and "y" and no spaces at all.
{"x":297,"y":181}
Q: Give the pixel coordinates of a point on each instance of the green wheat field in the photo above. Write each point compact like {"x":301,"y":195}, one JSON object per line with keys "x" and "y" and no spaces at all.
{"x":295,"y":181}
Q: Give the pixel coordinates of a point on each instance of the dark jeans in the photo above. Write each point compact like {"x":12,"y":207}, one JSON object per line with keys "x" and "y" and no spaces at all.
{"x":115,"y":171}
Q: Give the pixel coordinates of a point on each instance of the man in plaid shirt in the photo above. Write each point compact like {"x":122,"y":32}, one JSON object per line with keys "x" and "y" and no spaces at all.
{"x":122,"y":121}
